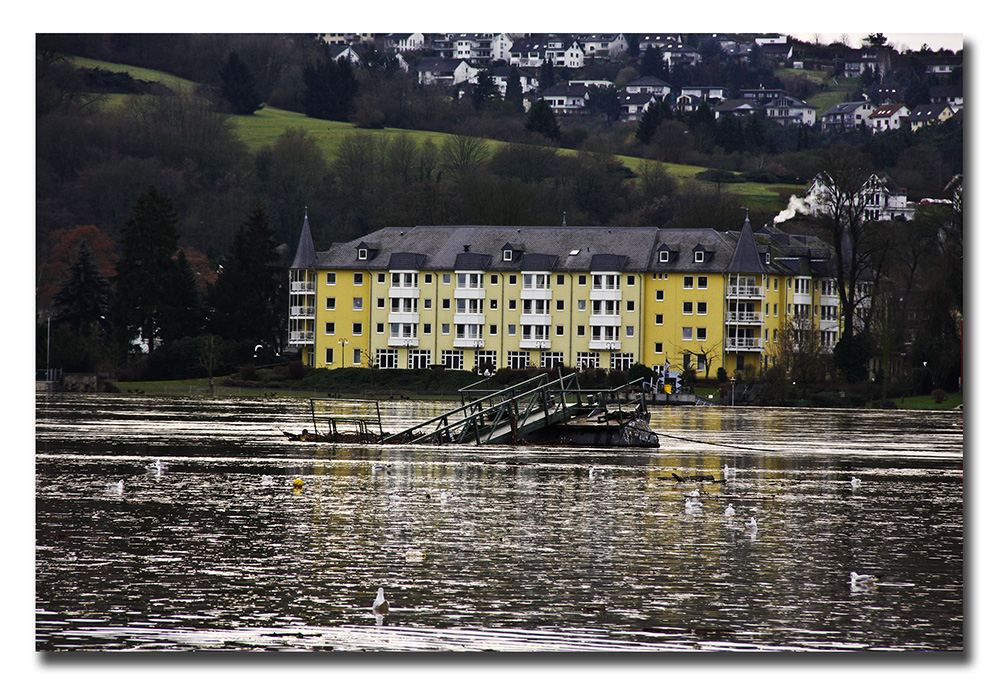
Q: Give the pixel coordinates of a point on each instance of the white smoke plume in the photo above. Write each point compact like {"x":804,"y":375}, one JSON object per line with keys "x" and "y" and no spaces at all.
{"x":796,"y":204}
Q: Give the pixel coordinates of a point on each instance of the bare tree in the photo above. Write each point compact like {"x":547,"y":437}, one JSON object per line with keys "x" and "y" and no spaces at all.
{"x":845,"y":178}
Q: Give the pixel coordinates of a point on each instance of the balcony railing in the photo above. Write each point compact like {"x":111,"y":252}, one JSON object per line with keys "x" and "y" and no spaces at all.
{"x":744,"y":292}
{"x":302,"y":311}
{"x":604,"y":345}
{"x":302,"y":287}
{"x":753,"y":318}
{"x":296,"y":337}
{"x":743,"y":344}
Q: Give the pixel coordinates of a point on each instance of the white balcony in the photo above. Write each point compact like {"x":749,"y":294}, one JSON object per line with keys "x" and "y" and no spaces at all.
{"x":605,"y":345}
{"x":744,"y":318}
{"x":539,"y":294}
{"x":536,"y":344}
{"x":470,"y":292}
{"x":605,"y":321}
{"x":743,"y":344}
{"x":302,"y":287}
{"x":535,"y":319}
{"x":608,"y":294}
{"x":402,"y":341}
{"x":469,"y":319}
{"x":468,"y":343}
{"x":404,"y":292}
{"x":296,"y":337}
{"x":744,"y":292}
{"x":302,"y":311}
{"x":404,"y":318}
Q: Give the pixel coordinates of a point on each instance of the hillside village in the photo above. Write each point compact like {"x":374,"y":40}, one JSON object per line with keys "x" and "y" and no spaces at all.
{"x":461,"y":60}
{"x":428,"y":227}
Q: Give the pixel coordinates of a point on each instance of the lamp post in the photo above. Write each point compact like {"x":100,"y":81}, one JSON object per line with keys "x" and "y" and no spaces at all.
{"x":343,"y":346}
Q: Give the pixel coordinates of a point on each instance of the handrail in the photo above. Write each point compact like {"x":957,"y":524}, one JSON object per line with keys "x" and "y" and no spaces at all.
{"x":465,"y":407}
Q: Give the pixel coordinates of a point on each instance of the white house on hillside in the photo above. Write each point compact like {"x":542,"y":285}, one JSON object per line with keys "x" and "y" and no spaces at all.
{"x":889,"y":117}
{"x":603,"y":45}
{"x":444,"y":71}
{"x":648,"y":84}
{"x":881,"y":200}
{"x":788,"y":111}
{"x":847,"y":116}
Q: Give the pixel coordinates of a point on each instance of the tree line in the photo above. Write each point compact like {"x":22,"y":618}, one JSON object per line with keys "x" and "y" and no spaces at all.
{"x":150,"y":318}
{"x":104,"y":174}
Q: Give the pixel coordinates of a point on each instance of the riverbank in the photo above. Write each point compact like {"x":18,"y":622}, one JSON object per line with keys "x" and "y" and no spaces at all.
{"x":201,"y":386}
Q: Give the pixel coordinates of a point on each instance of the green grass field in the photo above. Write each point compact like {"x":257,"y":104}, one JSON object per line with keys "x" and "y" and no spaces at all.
{"x":264,"y":127}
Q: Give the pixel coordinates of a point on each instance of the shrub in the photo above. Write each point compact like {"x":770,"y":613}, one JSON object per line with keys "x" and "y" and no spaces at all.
{"x":296,"y":370}
{"x":939,"y":395}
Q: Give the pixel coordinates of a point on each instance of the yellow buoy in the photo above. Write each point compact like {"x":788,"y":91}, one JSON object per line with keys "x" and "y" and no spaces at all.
{"x":297,"y":484}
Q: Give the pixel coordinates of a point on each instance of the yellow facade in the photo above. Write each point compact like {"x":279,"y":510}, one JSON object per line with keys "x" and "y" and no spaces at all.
{"x":584,"y":307}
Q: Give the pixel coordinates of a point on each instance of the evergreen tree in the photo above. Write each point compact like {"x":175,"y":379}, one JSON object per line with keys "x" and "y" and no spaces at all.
{"x":330,"y":89}
{"x":514,"y":94}
{"x":82,"y":301}
{"x":546,"y":76}
{"x":541,"y":119}
{"x":146,"y":270}
{"x":650,"y":121}
{"x":239,"y":88}
{"x":185,"y":314}
{"x":604,"y":100}
{"x":651,"y":63}
{"x":246,"y":299}
{"x":484,"y":90}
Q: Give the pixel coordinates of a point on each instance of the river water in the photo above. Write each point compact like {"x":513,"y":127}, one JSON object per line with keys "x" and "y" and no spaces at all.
{"x":493,"y":548}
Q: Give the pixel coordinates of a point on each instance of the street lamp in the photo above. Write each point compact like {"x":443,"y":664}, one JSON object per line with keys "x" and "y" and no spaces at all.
{"x":343,"y":345}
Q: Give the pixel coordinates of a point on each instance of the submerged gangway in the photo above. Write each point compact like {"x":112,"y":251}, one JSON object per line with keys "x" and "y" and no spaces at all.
{"x":512,"y":413}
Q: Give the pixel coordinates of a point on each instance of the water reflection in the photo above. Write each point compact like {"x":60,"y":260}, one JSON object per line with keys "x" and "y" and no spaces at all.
{"x":507,"y":548}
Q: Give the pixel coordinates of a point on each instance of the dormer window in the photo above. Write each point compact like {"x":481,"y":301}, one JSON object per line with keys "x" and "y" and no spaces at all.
{"x":664,"y":256}
{"x":699,"y":256}
{"x":767,"y":258}
{"x":508,"y":255}
{"x":362,"y":253}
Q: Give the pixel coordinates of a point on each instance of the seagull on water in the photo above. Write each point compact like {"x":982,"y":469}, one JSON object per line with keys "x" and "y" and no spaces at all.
{"x":380,"y":467}
{"x":266,"y":480}
{"x":155,"y":467}
{"x":117,"y":487}
{"x":595,"y":471}
{"x":380,"y":607}
{"x":728,"y":472}
{"x":730,"y":511}
{"x":862,"y":581}
{"x":751,"y":525}
{"x":855,"y":483}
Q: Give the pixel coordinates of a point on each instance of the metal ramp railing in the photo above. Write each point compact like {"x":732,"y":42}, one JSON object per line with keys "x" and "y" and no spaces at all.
{"x":509,"y":414}
{"x":501,"y":416}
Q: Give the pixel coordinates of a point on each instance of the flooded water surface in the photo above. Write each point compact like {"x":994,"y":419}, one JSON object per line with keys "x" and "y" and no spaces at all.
{"x":173,"y":523}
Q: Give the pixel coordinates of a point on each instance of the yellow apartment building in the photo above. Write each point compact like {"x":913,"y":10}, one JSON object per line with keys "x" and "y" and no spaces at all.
{"x":488,"y":297}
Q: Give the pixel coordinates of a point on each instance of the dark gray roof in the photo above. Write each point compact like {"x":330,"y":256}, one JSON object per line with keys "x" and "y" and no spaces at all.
{"x":845,"y":107}
{"x":406,"y":260}
{"x":535,"y":261}
{"x":651,"y":80}
{"x":472,"y":261}
{"x":305,"y":254}
{"x":565,"y":248}
{"x":746,"y":258}
{"x":582,"y":249}
{"x":608,"y":262}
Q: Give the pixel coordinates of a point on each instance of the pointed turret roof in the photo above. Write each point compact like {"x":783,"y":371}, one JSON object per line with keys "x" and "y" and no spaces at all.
{"x":746,"y":259}
{"x":305,"y":254}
